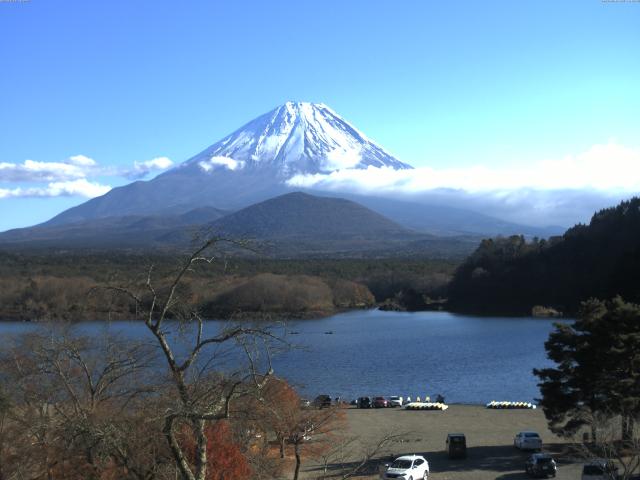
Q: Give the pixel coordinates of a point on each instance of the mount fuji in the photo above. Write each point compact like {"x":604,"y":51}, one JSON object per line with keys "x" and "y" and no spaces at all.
{"x":247,"y":169}
{"x":297,"y":137}
{"x":249,"y":165}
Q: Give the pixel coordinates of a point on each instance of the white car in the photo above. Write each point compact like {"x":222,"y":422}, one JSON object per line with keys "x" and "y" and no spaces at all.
{"x":527,"y":441}
{"x":407,"y":467}
{"x":395,"y":401}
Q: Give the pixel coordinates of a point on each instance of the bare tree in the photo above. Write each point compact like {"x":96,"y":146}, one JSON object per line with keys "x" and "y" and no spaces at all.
{"x":205,"y":371}
{"x":610,"y":444}
{"x":74,"y":401}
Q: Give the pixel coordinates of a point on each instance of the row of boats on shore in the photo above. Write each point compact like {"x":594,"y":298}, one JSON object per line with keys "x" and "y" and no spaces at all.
{"x":492,"y":405}
{"x":426,"y":406}
{"x":417,"y":404}
{"x":510,"y":405}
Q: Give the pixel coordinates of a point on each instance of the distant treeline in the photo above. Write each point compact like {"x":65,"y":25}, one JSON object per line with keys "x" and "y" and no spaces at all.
{"x":62,"y":286}
{"x":512,"y":275}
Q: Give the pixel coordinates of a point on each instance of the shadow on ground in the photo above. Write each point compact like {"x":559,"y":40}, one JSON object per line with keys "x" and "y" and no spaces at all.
{"x":503,"y":460}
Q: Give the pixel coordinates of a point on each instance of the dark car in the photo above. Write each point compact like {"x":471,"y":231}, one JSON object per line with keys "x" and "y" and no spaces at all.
{"x":541,"y":465}
{"x":599,"y":469}
{"x":456,"y":445}
{"x":363,"y":402}
{"x":322,"y":401}
{"x":380,"y":402}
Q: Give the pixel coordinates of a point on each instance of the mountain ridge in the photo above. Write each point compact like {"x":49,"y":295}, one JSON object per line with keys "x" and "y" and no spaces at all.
{"x":292,"y":225}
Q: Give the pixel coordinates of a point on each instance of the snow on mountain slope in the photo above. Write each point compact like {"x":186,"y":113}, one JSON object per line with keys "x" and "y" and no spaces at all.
{"x":295,"y":138}
{"x":248,"y":166}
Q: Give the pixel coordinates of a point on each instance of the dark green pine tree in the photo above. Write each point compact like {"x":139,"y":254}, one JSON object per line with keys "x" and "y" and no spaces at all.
{"x":597,"y":368}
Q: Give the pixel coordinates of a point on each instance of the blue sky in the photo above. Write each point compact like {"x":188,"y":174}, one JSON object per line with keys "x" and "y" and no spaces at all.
{"x":447,"y":86}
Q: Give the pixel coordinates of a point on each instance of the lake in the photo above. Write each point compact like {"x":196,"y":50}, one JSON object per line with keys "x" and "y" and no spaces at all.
{"x":467,"y":359}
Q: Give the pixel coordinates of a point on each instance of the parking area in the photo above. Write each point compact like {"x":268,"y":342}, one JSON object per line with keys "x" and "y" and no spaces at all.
{"x":489,"y":435}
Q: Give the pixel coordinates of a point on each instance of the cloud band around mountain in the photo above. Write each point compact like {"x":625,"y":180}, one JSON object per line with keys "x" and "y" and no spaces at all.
{"x":609,"y":167}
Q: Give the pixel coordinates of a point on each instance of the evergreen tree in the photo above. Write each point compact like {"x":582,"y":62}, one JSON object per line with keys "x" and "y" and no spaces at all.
{"x":597,"y":368}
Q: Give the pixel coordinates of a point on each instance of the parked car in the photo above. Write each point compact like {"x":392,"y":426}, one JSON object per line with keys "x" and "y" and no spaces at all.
{"x":322,"y":401}
{"x":395,"y":401}
{"x":380,"y":402}
{"x":364,"y":402}
{"x":599,"y":469}
{"x":527,"y":441}
{"x":407,"y":467}
{"x":541,"y":465}
{"x":456,"y":445}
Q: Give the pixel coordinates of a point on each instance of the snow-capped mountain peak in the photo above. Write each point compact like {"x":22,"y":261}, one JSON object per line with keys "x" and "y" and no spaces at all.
{"x":294,"y":138}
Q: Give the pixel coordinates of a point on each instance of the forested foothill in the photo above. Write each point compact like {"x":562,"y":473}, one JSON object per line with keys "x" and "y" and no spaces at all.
{"x":512,"y":275}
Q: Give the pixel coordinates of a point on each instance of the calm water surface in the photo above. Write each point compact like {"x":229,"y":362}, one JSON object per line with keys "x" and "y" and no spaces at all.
{"x":465,"y":358}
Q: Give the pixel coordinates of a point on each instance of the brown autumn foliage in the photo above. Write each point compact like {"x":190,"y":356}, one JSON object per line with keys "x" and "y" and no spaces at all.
{"x":53,"y":298}
{"x":300,"y":431}
{"x":276,"y":293}
{"x":79,"y":408}
{"x":226,"y":458}
{"x":75,"y":408}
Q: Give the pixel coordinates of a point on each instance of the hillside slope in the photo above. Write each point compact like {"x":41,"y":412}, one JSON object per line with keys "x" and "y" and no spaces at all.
{"x":302,"y":215}
{"x":511,"y":275}
{"x":293,"y":225}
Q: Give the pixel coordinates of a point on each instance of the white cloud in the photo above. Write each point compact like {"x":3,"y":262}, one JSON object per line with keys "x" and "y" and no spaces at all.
{"x":609,"y":167}
{"x":82,"y":160}
{"x":74,"y":168}
{"x":225,"y":162}
{"x":142,"y":169}
{"x":71,"y":177}
{"x":34,"y":171}
{"x":80,"y":187}
{"x":74,"y":176}
{"x":342,"y":158}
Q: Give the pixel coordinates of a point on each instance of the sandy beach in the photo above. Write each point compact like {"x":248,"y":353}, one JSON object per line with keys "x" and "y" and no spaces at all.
{"x":489,"y":433}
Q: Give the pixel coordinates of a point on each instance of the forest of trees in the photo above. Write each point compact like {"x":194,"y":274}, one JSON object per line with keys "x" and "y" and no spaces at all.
{"x":512,"y":275}
{"x":38,"y":287}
